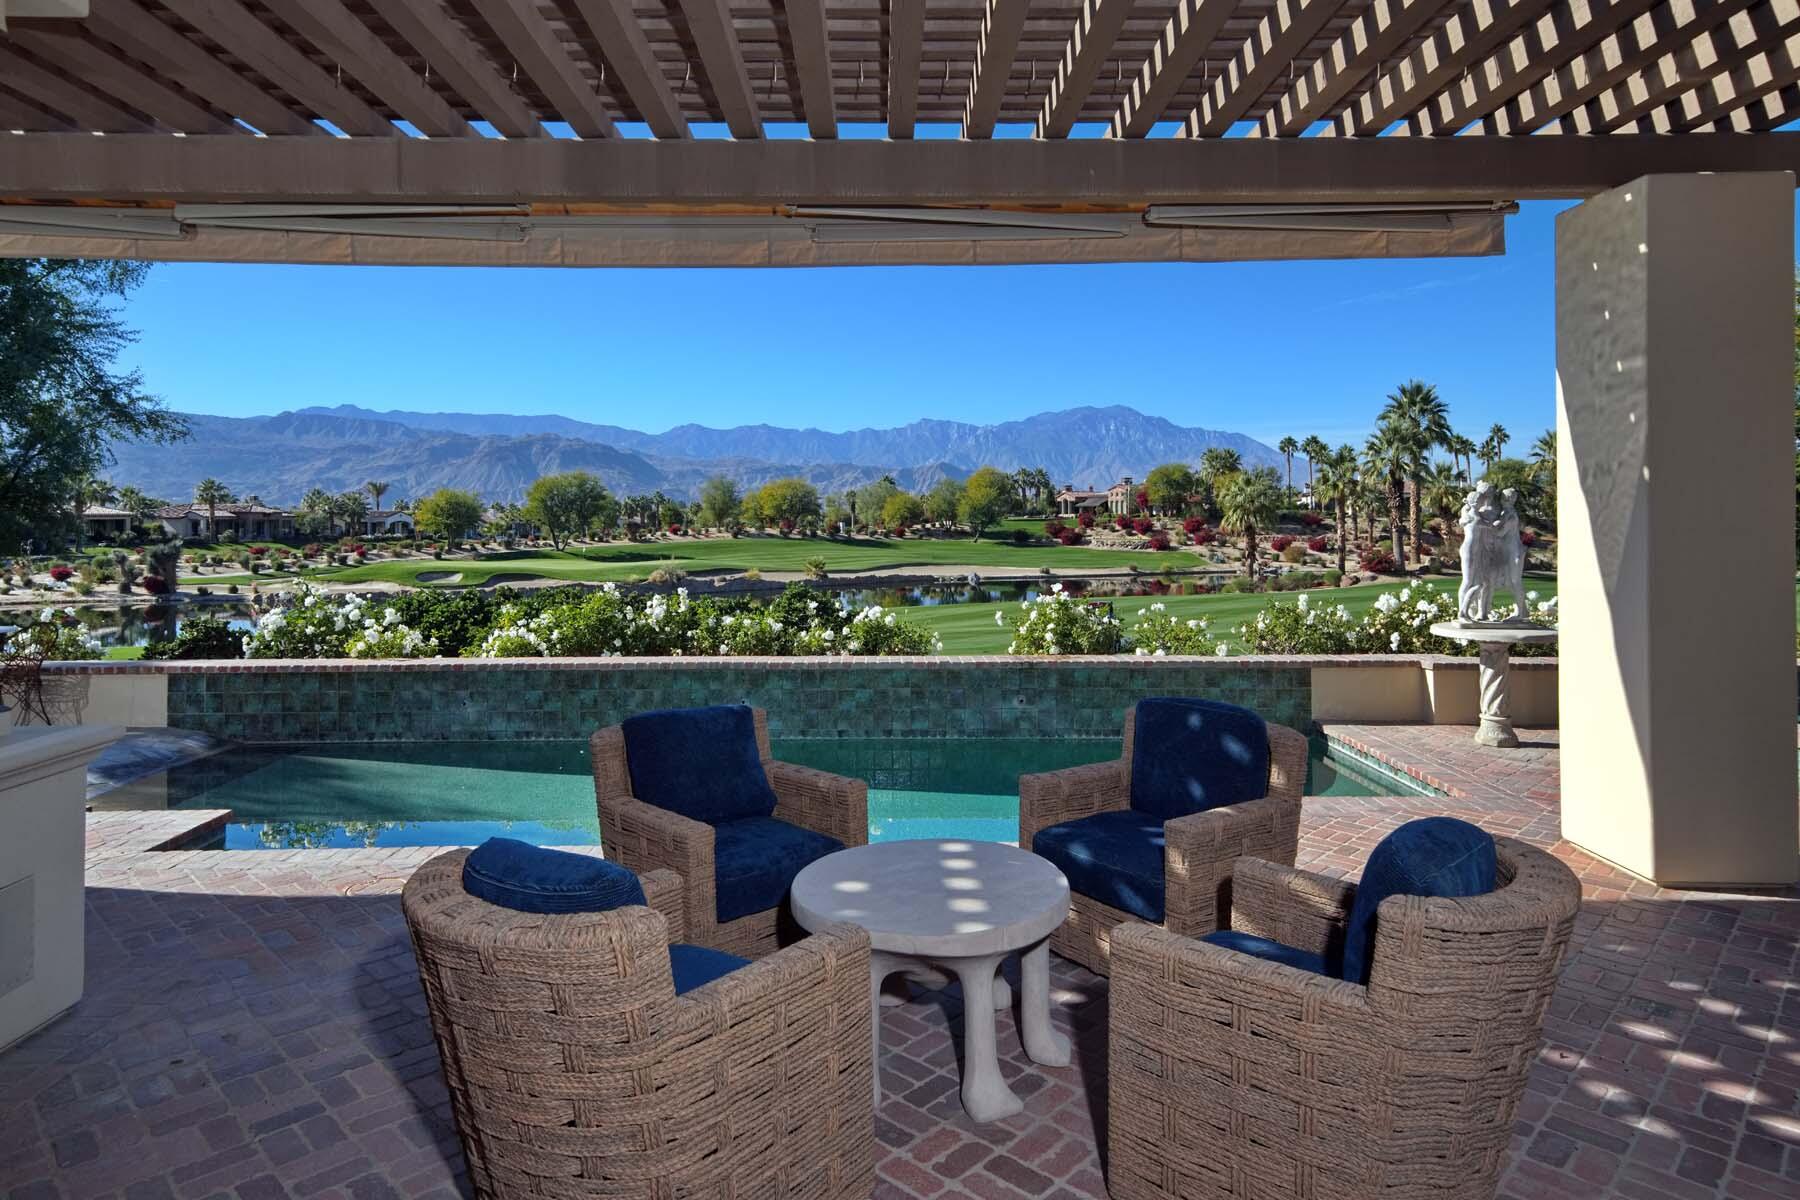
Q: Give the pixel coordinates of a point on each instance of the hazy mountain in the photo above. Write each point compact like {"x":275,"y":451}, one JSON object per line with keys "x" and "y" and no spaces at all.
{"x":279,"y":458}
{"x":1086,"y":446}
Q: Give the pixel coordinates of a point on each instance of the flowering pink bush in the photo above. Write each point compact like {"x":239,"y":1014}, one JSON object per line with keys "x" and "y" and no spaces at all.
{"x":1143,"y":498}
{"x":1193,"y":525}
{"x":1159,"y":540}
{"x":1379,"y":562}
{"x":259,"y":551}
{"x":1312,"y":520}
{"x":674,"y":527}
{"x":1205,"y":537}
{"x":155,"y":585}
{"x":1054,"y":528}
{"x":1527,"y":537}
{"x":1281,"y":541}
{"x":1085,"y":520}
{"x":1069,"y":537}
{"x":1142,"y":525}
{"x":1318,"y":545}
{"x":61,"y":574}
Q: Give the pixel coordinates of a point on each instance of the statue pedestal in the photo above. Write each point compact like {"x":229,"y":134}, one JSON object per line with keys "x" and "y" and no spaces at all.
{"x":1496,"y":642}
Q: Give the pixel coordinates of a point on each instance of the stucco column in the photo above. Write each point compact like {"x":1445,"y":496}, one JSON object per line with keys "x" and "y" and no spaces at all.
{"x":1675,"y":527}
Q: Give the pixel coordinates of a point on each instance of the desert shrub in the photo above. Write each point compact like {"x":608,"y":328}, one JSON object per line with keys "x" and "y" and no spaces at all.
{"x":1159,"y":540}
{"x":61,"y":572}
{"x":1378,"y":562}
{"x":1281,"y":541}
{"x":1237,"y":584}
{"x":1058,"y":623}
{"x":1054,"y":528}
{"x":1085,"y":520}
{"x":1070,"y":537}
{"x":1318,"y":545}
{"x":1142,"y":525}
{"x":1332,"y":578}
{"x":201,"y":637}
{"x":1204,"y":536}
{"x":1193,"y":525}
{"x":1293,"y":552}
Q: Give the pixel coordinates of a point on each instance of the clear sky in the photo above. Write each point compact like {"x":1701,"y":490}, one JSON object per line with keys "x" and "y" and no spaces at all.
{"x":1260,"y":348}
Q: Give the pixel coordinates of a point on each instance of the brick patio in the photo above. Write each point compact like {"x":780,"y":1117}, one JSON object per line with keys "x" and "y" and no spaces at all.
{"x":253,"y":1028}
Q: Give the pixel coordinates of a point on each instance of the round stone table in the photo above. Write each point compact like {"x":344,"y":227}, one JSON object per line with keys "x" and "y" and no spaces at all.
{"x":1495,"y":641}
{"x":961,"y":906}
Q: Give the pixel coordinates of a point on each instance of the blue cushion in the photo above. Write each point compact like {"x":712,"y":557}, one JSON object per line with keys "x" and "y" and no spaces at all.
{"x":755,"y":861}
{"x":1259,"y":947}
{"x":1113,"y":857}
{"x":535,"y":879}
{"x":1189,"y":756}
{"x":700,"y":762}
{"x":1433,"y":856}
{"x":697,"y":966}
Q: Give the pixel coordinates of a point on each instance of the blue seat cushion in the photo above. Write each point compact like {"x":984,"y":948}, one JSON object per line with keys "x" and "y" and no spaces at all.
{"x":700,"y":762}
{"x":697,"y":966}
{"x":536,"y":879}
{"x":1260,"y":947}
{"x":755,"y":860}
{"x":1113,"y":857}
{"x":1433,"y":856}
{"x":1188,"y":756}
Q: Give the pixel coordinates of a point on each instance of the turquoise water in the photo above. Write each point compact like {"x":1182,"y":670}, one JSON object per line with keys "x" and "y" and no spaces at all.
{"x":460,"y":793}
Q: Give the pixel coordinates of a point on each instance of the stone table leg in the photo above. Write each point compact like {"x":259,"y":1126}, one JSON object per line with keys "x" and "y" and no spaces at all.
{"x":1042,"y":1043}
{"x":1496,"y":711}
{"x":985,"y":1095}
{"x":880,"y":967}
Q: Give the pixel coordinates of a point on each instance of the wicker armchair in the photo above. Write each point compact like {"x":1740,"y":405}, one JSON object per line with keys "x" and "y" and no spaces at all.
{"x":575,"y":1070}
{"x":646,"y":838}
{"x":1233,"y":1076}
{"x":1199,"y":850}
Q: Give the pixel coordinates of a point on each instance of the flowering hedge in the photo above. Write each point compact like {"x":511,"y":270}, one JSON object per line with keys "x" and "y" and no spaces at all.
{"x":1399,"y":623}
{"x":57,"y":635}
{"x":1057,"y":623}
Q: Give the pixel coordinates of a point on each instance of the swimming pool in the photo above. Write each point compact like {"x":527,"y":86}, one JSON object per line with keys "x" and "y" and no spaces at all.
{"x":460,"y":793}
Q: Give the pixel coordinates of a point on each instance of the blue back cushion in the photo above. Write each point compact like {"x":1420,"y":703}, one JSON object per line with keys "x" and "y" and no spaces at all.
{"x":696,"y":966}
{"x":1189,"y":756}
{"x":534,"y":879}
{"x":700,"y":762}
{"x":1260,"y":947}
{"x":1433,"y":856}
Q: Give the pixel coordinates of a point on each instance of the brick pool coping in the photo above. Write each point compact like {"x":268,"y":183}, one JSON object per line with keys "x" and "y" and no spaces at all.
{"x":291,"y":666}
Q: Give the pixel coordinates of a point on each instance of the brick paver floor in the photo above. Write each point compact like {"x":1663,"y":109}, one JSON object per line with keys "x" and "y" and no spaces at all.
{"x":253,"y":1029}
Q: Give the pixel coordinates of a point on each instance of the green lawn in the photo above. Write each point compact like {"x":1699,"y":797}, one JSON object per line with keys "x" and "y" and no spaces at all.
{"x":624,"y":561}
{"x":970,"y":628}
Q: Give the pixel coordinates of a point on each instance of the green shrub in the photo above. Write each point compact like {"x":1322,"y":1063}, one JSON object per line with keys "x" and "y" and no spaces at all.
{"x":1058,"y":623}
{"x":1333,"y":577}
{"x":200,"y":637}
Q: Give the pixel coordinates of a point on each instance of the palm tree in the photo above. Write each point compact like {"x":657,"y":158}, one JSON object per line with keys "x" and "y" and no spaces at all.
{"x":376,"y":491}
{"x":1462,"y":450}
{"x":1288,"y":446}
{"x":212,"y":493}
{"x":1493,"y":445}
{"x":1388,"y":454}
{"x":1442,"y":491}
{"x":1543,"y":451}
{"x":1216,"y":464}
{"x":1371,"y":495}
{"x":1046,"y":490}
{"x":1316,"y":451}
{"x":1417,"y":405}
{"x":1248,"y":500}
{"x":352,"y":509}
{"x":140,"y":505}
{"x":1337,"y":487}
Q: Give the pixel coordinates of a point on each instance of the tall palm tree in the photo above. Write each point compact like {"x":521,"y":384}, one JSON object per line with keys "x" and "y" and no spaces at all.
{"x":1543,"y":451}
{"x":1288,"y":446}
{"x":1248,"y":501}
{"x":1371,"y":495}
{"x":1442,"y":491}
{"x":1494,"y":445}
{"x":212,"y":493}
{"x":1337,"y":487}
{"x":1463,"y":450}
{"x":1316,"y":451}
{"x":1417,"y":405}
{"x":1388,"y":454}
{"x":1216,"y":463}
{"x":376,"y":491}
{"x":1046,"y":489}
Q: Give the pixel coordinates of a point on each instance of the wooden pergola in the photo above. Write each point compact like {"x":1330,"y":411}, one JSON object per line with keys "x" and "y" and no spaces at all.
{"x":687,"y":131}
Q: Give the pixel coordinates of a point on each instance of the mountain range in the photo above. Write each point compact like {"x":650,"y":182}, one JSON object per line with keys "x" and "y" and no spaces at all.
{"x":280,"y":457}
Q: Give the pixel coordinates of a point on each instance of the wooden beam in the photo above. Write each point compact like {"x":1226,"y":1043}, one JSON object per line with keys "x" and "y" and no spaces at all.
{"x":1767,"y":72}
{"x":1376,"y":34}
{"x":1557,"y":37}
{"x":715,"y":39}
{"x":230,"y":24}
{"x":906,"y":39}
{"x":125,"y":24}
{"x":539,"y":54}
{"x":1091,"y":43}
{"x":328,"y":25}
{"x":615,"y":26}
{"x":639,"y":173}
{"x":65,"y":47}
{"x":1704,"y":58}
{"x":1183,"y":41}
{"x":47,"y":89}
{"x":448,"y":50}
{"x":810,"y":42}
{"x":992,"y":70}
{"x":16,"y":113}
{"x":1619,"y":55}
{"x":1473,"y":32}
{"x":1271,"y":47}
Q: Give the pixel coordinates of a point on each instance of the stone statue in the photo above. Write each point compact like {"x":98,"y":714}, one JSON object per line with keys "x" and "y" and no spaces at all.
{"x":1493,"y":557}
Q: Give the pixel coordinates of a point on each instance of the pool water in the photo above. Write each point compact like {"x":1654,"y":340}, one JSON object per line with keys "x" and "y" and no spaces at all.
{"x":460,"y":793}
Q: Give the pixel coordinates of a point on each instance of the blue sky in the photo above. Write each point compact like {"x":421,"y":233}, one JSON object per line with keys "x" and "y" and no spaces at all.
{"x":1260,"y":348}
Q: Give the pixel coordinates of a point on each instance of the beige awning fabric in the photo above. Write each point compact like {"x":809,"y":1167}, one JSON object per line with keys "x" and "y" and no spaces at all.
{"x":342,"y":235}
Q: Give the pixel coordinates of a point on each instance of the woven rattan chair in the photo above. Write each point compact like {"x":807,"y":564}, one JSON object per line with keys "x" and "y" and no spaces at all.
{"x":646,"y":838}
{"x":1199,"y":850}
{"x":1232,"y":1076}
{"x":575,"y":1070}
